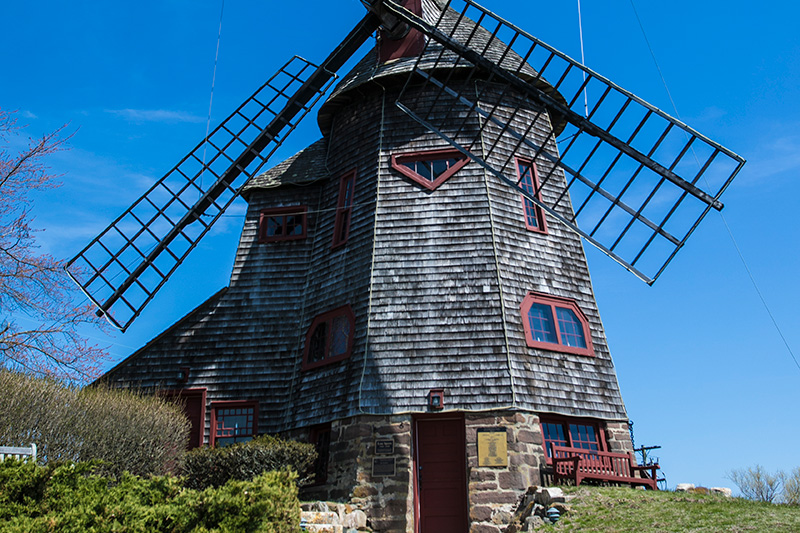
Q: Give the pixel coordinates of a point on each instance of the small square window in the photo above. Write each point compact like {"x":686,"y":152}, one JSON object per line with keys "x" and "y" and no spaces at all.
{"x":282,"y":224}
{"x":233,"y":422}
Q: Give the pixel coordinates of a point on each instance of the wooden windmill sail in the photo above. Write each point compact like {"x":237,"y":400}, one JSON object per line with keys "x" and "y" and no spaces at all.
{"x":626,"y":159}
{"x":413,"y":284}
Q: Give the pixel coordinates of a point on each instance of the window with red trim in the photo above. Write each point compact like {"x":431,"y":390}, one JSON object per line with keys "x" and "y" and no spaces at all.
{"x":344,"y":208}
{"x":282,"y":224}
{"x":555,"y":324}
{"x":232,"y":422}
{"x":330,"y":338}
{"x":528,"y":179}
{"x":320,"y":436}
{"x":571,"y":432}
{"x":430,"y":169}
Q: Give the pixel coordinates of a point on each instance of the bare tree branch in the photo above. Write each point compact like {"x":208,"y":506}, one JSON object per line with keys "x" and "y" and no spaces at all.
{"x":33,"y":288}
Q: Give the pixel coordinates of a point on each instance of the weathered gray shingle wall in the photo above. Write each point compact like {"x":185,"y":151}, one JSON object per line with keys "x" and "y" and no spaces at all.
{"x":554,"y":264}
{"x":435,"y":280}
{"x":340,"y":276}
{"x":242,"y":344}
{"x":435,"y":320}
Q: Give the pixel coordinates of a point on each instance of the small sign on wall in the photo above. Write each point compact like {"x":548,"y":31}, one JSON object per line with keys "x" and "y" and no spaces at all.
{"x":492,"y":447}
{"x":384,"y":446}
{"x":383,"y":466}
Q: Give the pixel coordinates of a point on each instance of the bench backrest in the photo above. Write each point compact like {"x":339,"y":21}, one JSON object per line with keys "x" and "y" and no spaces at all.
{"x":597,"y":462}
{"x":18,"y":452}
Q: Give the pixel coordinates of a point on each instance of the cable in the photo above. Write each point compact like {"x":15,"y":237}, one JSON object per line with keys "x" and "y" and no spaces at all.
{"x":583,"y":61}
{"x":721,"y":215}
{"x":211,"y":98}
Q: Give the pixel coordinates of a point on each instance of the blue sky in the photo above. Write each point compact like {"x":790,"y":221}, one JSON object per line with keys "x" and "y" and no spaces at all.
{"x":702,"y":369}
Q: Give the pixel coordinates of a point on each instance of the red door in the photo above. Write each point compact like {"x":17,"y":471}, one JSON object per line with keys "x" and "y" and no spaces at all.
{"x":193,"y":403}
{"x":441,"y":475}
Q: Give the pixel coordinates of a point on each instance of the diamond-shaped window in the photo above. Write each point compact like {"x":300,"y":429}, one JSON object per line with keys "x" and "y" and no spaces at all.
{"x":429,"y":169}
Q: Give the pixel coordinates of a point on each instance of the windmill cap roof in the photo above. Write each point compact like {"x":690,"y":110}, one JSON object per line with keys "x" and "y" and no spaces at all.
{"x":435,"y":57}
{"x":304,"y":167}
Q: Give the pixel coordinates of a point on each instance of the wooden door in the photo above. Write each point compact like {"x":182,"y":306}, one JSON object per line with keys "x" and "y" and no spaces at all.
{"x":193,"y":403}
{"x":441,"y":475}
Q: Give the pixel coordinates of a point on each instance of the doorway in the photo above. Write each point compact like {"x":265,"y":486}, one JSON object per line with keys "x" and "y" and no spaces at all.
{"x":441,"y":475}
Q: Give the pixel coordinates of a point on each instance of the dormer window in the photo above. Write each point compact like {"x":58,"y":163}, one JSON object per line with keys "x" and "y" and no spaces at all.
{"x":429,"y":169}
{"x":282,"y":224}
{"x":555,"y":324}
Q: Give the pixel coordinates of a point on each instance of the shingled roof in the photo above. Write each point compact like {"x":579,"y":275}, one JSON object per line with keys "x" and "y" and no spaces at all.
{"x":306,"y":166}
{"x":435,"y":57}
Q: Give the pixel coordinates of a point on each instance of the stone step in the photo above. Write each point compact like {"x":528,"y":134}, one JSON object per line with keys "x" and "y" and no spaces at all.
{"x":323,"y":528}
{"x":316,"y":517}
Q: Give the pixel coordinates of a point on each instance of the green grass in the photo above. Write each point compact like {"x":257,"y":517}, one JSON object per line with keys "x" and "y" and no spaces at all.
{"x":611,"y":509}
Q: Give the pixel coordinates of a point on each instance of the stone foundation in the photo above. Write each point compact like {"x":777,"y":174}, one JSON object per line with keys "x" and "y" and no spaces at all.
{"x":389,"y":500}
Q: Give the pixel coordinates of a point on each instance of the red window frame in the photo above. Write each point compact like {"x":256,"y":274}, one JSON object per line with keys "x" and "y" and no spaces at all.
{"x":399,"y":164}
{"x":555,"y":303}
{"x":532,"y":213}
{"x":328,"y":319}
{"x":216,"y":407}
{"x":566,"y":424}
{"x":283,"y":212}
{"x":344,"y":208}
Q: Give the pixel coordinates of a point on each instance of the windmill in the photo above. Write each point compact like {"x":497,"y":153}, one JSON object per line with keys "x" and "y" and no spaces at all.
{"x":432,"y":312}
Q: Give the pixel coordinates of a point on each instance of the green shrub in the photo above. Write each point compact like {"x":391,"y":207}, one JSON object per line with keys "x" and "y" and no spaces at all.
{"x":212,"y":467}
{"x":71,"y":497}
{"x":130,"y":431}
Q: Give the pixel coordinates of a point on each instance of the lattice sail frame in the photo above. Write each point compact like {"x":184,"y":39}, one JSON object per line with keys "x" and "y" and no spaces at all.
{"x":135,"y":255}
{"x":639,"y":180}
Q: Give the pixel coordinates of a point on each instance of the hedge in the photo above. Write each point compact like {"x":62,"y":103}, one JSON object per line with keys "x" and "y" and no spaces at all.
{"x":212,"y":467}
{"x":128,"y":431}
{"x":71,"y":497}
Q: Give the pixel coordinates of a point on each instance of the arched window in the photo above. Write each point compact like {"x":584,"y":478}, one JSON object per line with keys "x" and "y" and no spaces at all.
{"x":430,"y":169}
{"x":555,"y":324}
{"x":329,"y":338}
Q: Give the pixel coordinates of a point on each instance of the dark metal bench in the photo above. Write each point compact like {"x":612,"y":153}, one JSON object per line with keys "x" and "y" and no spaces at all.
{"x":579,"y":464}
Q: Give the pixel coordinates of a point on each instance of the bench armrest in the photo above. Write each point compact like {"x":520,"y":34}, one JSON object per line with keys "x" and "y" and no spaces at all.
{"x":652,"y":468}
{"x":572,"y":459}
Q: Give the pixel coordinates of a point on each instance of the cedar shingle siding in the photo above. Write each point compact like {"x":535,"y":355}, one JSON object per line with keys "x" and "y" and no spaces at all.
{"x":435,"y":280}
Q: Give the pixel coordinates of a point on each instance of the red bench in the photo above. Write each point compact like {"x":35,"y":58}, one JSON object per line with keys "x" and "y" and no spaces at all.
{"x":578,"y":464}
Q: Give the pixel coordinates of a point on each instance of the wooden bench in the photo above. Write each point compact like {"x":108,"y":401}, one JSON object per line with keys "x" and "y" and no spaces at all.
{"x":578,"y":464}
{"x":18,"y":452}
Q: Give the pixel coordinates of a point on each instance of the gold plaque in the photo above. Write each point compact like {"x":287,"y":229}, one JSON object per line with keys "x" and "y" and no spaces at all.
{"x":492,"y":447}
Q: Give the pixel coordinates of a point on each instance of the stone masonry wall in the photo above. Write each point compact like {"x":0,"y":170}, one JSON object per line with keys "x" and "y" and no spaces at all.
{"x":387,"y":500}
{"x":493,"y":492}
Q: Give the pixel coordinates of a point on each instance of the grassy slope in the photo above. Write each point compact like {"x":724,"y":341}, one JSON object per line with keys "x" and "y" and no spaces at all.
{"x":623,"y":509}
